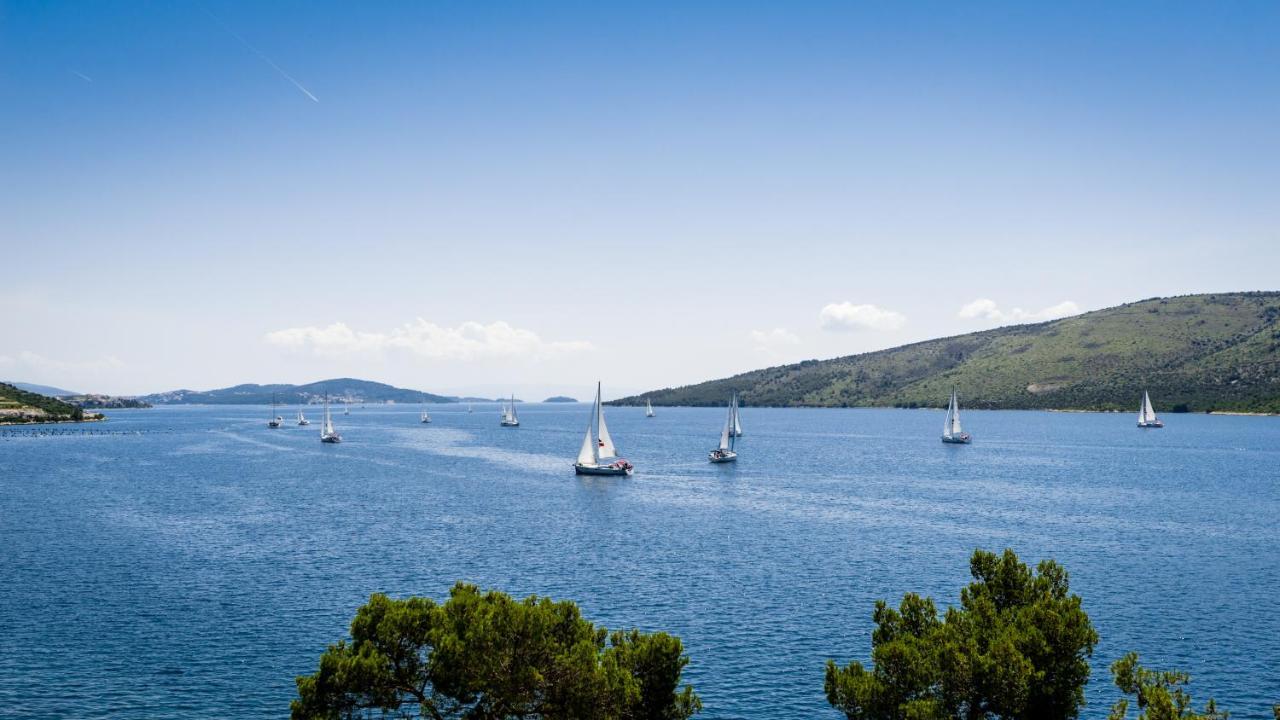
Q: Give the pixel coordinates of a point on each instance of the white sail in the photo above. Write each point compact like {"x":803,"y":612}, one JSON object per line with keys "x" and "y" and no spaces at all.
{"x":513,"y":409}
{"x":587,"y":454}
{"x":327,"y":429}
{"x":737,"y":423}
{"x":648,"y":408}
{"x":1146,"y":414}
{"x":955,"y":414}
{"x":607,"y":451}
{"x":725,"y":436}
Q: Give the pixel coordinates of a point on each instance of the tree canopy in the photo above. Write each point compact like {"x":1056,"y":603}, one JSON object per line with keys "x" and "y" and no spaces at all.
{"x":488,"y":656}
{"x":1017,"y":646}
{"x":1160,"y":695}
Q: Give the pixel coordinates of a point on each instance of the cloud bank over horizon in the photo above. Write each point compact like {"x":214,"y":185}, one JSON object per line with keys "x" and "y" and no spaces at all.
{"x":468,"y":341}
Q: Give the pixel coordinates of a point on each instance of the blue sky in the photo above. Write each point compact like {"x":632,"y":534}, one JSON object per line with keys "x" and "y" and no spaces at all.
{"x":470,"y":197}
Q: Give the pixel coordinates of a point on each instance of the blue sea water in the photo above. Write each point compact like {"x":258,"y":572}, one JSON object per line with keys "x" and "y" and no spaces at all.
{"x":195,"y":568}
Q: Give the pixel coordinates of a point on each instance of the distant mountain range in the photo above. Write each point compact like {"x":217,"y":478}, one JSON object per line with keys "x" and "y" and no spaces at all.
{"x":47,"y":390}
{"x":1194,"y":353}
{"x":338,"y":390}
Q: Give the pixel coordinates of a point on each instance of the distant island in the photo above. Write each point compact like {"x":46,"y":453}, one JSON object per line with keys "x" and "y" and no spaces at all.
{"x":338,"y":390}
{"x":1195,"y":353}
{"x":19,"y":406}
{"x":560,"y":399}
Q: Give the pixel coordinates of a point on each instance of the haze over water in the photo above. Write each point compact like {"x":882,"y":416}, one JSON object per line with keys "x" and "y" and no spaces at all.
{"x":194,"y":569}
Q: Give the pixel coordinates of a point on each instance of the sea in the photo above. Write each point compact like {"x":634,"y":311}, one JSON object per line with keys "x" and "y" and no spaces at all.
{"x":188,"y":561}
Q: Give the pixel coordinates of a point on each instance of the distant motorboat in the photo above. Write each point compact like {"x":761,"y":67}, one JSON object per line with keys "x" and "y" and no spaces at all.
{"x":648,"y":408}
{"x":509,"y":417}
{"x":724,"y":453}
{"x":302,"y":419}
{"x":598,"y":456}
{"x":951,"y":432}
{"x":275,"y":421}
{"x":1147,"y":414}
{"x":327,"y":433}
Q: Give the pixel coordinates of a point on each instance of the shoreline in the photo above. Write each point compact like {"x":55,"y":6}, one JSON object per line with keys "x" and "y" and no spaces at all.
{"x":100,"y":418}
{"x":942,"y":408}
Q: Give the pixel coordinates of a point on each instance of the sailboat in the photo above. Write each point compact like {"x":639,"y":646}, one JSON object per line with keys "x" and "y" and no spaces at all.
{"x":327,"y":433}
{"x":468,"y":408}
{"x":302,"y":419}
{"x":598,"y":456}
{"x":724,"y":453}
{"x":275,"y":421}
{"x":509,"y":418}
{"x":346,"y":406}
{"x":736,"y":429}
{"x":951,"y":432}
{"x":1147,"y":414}
{"x":648,"y":408}
{"x":426,"y":416}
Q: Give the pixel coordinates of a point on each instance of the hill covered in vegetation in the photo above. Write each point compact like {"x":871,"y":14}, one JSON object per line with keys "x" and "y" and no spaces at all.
{"x":1194,"y":353}
{"x":338,"y":390}
{"x":21,"y":406}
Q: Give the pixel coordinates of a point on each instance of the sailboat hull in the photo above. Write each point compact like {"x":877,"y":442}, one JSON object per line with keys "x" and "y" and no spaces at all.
{"x":723,"y":456}
{"x":510,"y":423}
{"x":1150,"y":424}
{"x":331,"y":439}
{"x":961,"y":439}
{"x":614,"y":470}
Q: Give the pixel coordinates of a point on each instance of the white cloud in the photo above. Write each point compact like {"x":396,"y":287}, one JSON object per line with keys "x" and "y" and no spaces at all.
{"x":28,"y":360}
{"x":774,"y":338}
{"x":847,"y":316}
{"x":988,"y":310}
{"x":468,"y":341}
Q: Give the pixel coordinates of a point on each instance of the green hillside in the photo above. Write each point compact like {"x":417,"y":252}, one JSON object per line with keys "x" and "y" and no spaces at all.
{"x":1194,"y":353}
{"x":20,"y":406}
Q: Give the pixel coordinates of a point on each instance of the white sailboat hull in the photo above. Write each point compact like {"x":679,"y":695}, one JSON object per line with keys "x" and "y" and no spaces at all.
{"x":614,"y":469}
{"x":961,"y":439}
{"x":722,"y":456}
{"x":1150,"y":424}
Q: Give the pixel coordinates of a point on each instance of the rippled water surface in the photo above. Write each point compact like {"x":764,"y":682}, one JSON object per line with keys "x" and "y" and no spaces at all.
{"x":194,"y":569}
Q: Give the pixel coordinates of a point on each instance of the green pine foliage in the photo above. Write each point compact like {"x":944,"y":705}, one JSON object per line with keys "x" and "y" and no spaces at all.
{"x":1017,"y":646}
{"x":1160,"y":695}
{"x":488,"y":656}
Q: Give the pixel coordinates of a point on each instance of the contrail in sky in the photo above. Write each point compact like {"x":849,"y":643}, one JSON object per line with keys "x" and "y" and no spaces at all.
{"x":82,"y":76}
{"x":258,"y":52}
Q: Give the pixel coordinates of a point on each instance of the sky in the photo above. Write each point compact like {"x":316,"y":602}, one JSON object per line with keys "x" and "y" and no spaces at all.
{"x":483,"y":198}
